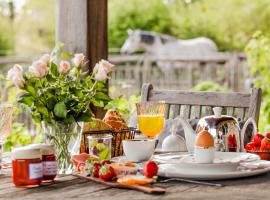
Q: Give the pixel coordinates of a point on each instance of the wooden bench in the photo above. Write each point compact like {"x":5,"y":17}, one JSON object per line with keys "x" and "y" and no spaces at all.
{"x":192,"y":105}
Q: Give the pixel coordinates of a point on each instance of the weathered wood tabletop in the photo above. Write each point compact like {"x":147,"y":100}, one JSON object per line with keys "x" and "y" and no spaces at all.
{"x":70,"y":187}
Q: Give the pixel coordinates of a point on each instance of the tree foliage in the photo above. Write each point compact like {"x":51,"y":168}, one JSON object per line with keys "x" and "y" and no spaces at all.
{"x":258,"y":52}
{"x":229,"y":23}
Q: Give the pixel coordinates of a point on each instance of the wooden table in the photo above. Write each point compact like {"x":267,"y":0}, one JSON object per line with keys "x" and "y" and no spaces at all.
{"x":70,"y":187}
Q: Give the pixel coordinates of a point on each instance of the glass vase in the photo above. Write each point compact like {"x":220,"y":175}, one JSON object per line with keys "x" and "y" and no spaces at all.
{"x":67,"y":139}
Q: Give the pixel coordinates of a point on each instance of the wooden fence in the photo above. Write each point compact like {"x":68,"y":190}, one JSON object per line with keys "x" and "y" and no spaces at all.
{"x":227,"y":69}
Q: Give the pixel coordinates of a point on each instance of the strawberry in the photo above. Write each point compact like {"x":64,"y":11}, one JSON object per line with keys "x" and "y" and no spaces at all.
{"x":150,"y":169}
{"x":257,"y":139}
{"x":104,"y":162}
{"x":250,"y":146}
{"x":265,"y":146}
{"x":106,"y":173}
{"x":96,"y":166}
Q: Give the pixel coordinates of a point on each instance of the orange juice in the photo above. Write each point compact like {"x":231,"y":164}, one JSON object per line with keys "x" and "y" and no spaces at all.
{"x":151,"y":125}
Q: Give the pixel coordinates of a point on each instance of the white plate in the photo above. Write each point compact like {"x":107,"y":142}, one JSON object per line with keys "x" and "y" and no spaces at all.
{"x":220,"y":157}
{"x":189,"y":163}
{"x":173,"y":171}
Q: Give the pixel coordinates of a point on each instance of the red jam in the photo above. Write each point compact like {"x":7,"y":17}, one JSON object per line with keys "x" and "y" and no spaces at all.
{"x":49,"y":167}
{"x":27,"y":167}
{"x":48,"y":161}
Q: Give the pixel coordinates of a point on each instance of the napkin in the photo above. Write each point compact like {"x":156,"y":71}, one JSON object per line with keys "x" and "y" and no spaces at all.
{"x":258,"y":164}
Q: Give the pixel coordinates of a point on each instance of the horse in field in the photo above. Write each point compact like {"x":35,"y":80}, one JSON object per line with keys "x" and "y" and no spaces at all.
{"x":164,"y":45}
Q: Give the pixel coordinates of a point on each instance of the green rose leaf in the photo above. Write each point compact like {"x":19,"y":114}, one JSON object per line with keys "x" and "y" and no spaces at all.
{"x":30,"y":89}
{"x":98,"y":103}
{"x":70,"y":119}
{"x":84,"y":117}
{"x":26,"y":99}
{"x":43,"y":111}
{"x":102,"y":96}
{"x":54,"y":69}
{"x":36,"y":117}
{"x":51,"y":102}
{"x":60,"y":110}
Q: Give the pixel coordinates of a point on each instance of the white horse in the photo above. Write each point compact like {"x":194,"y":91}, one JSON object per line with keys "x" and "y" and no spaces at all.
{"x":158,"y":44}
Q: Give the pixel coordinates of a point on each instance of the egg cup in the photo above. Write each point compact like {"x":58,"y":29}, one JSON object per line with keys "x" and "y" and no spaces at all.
{"x":204,"y":155}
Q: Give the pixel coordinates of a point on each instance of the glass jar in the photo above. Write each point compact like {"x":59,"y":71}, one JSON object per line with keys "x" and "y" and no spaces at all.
{"x":48,"y":161}
{"x":100,"y":145}
{"x":26,"y":167}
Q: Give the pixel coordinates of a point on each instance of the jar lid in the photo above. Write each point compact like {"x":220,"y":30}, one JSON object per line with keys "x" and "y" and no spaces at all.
{"x":100,"y":136}
{"x":25,"y":153}
{"x":46,"y":149}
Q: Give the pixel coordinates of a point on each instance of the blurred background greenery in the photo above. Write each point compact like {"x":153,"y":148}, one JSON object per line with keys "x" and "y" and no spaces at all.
{"x":27,"y":26}
{"x":27,"y":30}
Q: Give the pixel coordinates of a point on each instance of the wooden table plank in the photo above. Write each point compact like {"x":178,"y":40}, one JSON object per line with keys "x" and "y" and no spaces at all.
{"x":70,"y":187}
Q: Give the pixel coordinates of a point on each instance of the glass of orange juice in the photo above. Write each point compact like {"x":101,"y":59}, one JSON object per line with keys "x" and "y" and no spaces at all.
{"x":151,"y":117}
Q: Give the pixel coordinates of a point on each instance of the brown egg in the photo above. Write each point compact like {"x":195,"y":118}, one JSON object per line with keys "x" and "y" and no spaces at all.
{"x":204,"y":140}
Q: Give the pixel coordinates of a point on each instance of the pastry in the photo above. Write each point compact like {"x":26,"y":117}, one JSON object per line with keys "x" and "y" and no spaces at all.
{"x":115,"y":120}
{"x":96,"y":125}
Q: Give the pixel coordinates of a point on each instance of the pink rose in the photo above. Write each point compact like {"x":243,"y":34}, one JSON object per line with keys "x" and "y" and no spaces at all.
{"x":101,"y":74}
{"x":106,"y":65}
{"x":64,"y":67}
{"x":79,"y":59}
{"x":15,"y":75}
{"x":39,"y":69}
{"x":45,"y":58}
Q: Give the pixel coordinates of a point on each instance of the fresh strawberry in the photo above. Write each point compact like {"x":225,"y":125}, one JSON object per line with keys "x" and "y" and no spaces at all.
{"x":267,"y":135}
{"x":265,"y":146}
{"x":150,"y":169}
{"x":106,"y":173}
{"x":250,"y":146}
{"x":96,"y":167}
{"x":257,"y":139}
{"x":104,"y":162}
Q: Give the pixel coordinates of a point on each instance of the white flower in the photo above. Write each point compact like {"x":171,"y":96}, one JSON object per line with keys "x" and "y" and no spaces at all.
{"x":101,"y":74}
{"x":45,"y":58}
{"x":106,"y":65}
{"x":64,"y":67}
{"x":38,"y":69}
{"x":78,"y":59}
{"x":15,"y":75}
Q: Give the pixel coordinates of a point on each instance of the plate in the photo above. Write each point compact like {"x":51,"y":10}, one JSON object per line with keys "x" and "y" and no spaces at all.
{"x":189,"y":163}
{"x":173,"y":171}
{"x":220,"y":157}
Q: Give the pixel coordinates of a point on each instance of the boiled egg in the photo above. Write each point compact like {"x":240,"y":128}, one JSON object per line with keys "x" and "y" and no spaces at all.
{"x":204,"y":140}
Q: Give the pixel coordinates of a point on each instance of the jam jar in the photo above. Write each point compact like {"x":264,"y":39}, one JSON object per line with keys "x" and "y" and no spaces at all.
{"x":26,"y":167}
{"x":48,"y":161}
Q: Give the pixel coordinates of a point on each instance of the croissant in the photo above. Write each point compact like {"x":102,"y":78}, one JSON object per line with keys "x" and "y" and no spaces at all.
{"x":115,"y":120}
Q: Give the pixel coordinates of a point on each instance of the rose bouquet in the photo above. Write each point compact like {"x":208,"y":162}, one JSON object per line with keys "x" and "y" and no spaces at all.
{"x":58,"y":95}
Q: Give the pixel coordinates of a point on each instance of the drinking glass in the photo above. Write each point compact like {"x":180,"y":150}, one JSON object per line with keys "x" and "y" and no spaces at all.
{"x":151,"y":117}
{"x":6,"y":111}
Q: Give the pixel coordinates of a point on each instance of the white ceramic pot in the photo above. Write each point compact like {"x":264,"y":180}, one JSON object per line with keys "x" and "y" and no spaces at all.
{"x":204,"y":155}
{"x":138,"y":150}
{"x":174,"y":142}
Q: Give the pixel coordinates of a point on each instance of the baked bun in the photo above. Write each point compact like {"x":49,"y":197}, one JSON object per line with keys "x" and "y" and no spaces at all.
{"x":96,"y":125}
{"x":115,"y":120}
